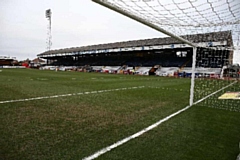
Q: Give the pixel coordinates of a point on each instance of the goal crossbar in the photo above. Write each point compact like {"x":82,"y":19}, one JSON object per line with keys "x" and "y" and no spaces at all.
{"x":143,"y":21}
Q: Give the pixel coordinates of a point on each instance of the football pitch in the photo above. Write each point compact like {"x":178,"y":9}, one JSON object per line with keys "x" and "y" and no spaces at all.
{"x":72,"y":115}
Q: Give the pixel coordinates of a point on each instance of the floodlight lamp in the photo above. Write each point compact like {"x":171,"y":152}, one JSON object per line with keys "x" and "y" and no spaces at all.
{"x":48,"y":13}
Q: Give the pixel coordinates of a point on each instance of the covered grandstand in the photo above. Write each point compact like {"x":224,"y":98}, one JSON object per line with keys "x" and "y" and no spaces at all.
{"x":6,"y":61}
{"x":164,"y":52}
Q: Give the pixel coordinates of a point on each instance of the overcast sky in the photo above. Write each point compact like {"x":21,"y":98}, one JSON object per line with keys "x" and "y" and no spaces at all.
{"x":23,"y":26}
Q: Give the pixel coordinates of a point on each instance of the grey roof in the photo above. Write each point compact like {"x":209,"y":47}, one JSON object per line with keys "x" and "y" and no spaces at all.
{"x":206,"y":37}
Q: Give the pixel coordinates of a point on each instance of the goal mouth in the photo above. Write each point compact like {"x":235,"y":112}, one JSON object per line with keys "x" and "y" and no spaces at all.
{"x":181,"y":20}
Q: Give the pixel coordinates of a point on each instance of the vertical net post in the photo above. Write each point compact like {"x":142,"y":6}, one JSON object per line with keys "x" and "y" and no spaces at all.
{"x":193,"y":75}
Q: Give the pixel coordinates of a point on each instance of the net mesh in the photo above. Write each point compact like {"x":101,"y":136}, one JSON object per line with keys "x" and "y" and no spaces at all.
{"x":219,"y":80}
{"x":186,"y":17}
{"x":217,"y":22}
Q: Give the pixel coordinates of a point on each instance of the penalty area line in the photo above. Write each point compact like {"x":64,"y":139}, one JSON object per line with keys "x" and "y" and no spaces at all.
{"x":68,"y":95}
{"x":125,"y":140}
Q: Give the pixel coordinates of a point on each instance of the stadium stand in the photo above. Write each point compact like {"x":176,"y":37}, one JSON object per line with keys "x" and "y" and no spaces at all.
{"x":6,"y":61}
{"x":213,"y":37}
{"x":143,"y":55}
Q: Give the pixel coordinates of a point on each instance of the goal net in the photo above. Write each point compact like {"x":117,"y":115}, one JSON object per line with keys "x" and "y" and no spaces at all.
{"x":211,"y":28}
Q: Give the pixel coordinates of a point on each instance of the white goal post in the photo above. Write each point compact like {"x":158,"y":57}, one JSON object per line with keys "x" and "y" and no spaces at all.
{"x":180,"y":19}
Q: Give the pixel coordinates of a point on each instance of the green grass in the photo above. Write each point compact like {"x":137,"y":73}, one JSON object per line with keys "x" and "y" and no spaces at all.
{"x":74,"y":127}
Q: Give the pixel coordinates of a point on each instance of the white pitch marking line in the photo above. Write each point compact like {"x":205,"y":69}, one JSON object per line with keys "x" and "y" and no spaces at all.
{"x":67,"y":95}
{"x":115,"y":145}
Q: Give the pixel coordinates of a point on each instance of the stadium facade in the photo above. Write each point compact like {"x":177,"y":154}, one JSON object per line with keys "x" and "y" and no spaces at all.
{"x":6,"y":61}
{"x":212,"y":52}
